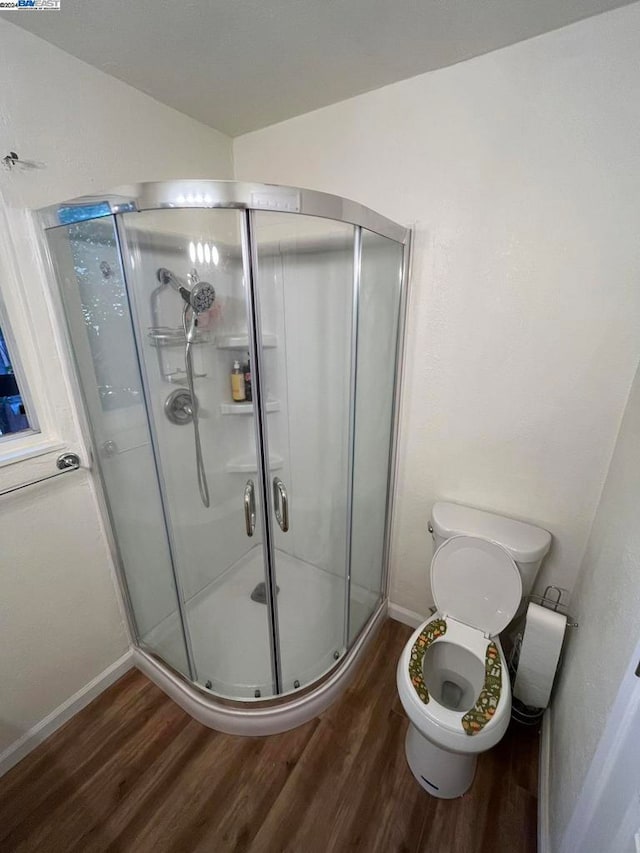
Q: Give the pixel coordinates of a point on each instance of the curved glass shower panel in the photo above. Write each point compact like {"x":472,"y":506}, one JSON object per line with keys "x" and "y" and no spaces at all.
{"x":251,"y":515}
{"x":171,"y":257}
{"x":304,"y":278}
{"x":86,"y":258}
{"x":377,"y":334}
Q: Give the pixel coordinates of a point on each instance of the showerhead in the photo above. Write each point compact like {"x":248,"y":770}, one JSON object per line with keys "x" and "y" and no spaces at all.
{"x":201,"y":296}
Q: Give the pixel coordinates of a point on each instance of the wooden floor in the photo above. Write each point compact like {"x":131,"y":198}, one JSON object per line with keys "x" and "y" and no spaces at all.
{"x":132,"y":772}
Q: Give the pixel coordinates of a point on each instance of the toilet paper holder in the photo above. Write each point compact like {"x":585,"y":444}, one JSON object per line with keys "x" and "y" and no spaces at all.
{"x":552,"y":598}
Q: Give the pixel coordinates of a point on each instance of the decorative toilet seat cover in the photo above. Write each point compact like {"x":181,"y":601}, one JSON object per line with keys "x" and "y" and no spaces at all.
{"x":431,"y":631}
{"x":487,"y":702}
{"x":476,"y":582}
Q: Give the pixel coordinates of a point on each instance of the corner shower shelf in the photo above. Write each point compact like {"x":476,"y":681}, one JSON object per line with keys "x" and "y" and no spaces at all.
{"x":247,"y":408}
{"x":242,"y":341}
{"x":247,"y":464}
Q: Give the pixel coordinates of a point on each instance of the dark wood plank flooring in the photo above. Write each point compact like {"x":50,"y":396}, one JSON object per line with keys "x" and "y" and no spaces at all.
{"x":133,"y":772}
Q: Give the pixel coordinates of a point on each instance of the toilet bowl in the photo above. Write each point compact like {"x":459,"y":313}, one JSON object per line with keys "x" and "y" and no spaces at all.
{"x":452,"y":677}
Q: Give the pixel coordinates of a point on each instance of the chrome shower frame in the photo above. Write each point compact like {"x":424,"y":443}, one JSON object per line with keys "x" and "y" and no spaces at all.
{"x":282,"y":711}
{"x":224,"y":194}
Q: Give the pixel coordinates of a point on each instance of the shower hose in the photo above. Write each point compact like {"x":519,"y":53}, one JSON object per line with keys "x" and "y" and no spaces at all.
{"x":189,"y":324}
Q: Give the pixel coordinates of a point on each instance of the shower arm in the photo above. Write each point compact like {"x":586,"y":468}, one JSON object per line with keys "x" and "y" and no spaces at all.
{"x":168,"y":279}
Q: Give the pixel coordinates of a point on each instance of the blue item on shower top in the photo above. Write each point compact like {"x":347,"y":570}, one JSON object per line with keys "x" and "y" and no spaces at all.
{"x":80,"y":212}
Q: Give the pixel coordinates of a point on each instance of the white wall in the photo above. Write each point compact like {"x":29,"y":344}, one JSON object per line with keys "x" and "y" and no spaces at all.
{"x":522,"y":171}
{"x":61,"y":623}
{"x":606,"y":605}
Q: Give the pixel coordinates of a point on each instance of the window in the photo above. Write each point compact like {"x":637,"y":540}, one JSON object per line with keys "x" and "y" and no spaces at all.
{"x":13,"y":413}
{"x":37,"y":417}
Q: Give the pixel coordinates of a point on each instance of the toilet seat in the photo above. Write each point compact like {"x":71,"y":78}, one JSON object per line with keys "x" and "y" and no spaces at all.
{"x":477,"y":589}
{"x":471,"y":721}
{"x":488,"y":699}
{"x":431,"y":632}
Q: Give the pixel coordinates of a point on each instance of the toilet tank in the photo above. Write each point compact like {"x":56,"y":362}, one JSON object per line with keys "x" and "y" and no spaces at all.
{"x":526,"y":543}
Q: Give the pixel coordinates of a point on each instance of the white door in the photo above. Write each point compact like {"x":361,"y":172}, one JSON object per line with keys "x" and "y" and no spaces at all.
{"x":607,"y":816}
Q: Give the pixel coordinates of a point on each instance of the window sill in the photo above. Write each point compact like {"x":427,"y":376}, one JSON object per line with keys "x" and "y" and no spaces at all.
{"x":32,"y":461}
{"x":15,"y":449}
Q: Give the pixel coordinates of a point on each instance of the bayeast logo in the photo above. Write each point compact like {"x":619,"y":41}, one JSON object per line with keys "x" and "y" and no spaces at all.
{"x":36,"y":5}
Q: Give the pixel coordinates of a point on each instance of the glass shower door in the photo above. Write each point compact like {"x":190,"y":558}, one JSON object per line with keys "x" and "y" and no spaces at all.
{"x":205,"y":441}
{"x":304,"y":284}
{"x":86,"y":259}
{"x":377,"y":337}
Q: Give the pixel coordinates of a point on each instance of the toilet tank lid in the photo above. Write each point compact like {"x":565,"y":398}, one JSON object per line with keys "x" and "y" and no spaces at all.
{"x":526,"y":543}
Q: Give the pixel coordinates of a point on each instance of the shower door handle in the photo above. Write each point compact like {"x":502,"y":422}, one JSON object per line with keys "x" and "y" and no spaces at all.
{"x":249,"y":508}
{"x":281,"y":504}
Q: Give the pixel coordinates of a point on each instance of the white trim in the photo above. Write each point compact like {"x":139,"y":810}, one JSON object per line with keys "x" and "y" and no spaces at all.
{"x":407,"y":617}
{"x":263,"y":720}
{"x":544,"y":775}
{"x":40,"y":359}
{"x":619,"y":723}
{"x":26,"y":355}
{"x":46,"y":727}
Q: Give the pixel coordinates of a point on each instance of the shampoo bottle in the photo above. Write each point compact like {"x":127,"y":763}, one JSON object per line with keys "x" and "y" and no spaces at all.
{"x":237,"y":383}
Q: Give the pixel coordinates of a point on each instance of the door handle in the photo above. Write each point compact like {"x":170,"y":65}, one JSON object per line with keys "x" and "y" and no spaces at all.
{"x":281,"y":504}
{"x":249,"y":508}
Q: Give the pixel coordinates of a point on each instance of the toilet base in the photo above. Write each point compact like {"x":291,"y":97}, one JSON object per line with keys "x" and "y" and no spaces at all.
{"x":441,"y":773}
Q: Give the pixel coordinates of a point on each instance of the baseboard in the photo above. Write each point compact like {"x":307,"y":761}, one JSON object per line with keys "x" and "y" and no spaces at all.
{"x":544,"y":770}
{"x":407,"y":617}
{"x":58,"y":717}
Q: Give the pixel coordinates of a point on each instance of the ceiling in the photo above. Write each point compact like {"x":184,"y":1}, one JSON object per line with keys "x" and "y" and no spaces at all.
{"x":238,"y":65}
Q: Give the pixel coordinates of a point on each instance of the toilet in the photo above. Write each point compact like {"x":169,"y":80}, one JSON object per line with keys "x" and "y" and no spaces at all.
{"x":452,"y":676}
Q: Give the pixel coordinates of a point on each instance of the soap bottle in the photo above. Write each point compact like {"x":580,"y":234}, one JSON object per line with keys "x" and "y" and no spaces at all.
{"x":247,"y":379}
{"x":237,"y":383}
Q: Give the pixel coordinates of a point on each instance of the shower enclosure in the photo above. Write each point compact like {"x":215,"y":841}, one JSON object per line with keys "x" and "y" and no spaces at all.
{"x":251,"y":535}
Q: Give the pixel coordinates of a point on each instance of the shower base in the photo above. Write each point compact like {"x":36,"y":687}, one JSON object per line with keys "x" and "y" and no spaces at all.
{"x":230,"y":641}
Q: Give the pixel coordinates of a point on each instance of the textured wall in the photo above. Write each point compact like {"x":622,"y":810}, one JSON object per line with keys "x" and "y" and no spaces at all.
{"x":91,"y":131}
{"x":522,"y":171}
{"x":606,"y":604}
{"x":60,"y":622}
